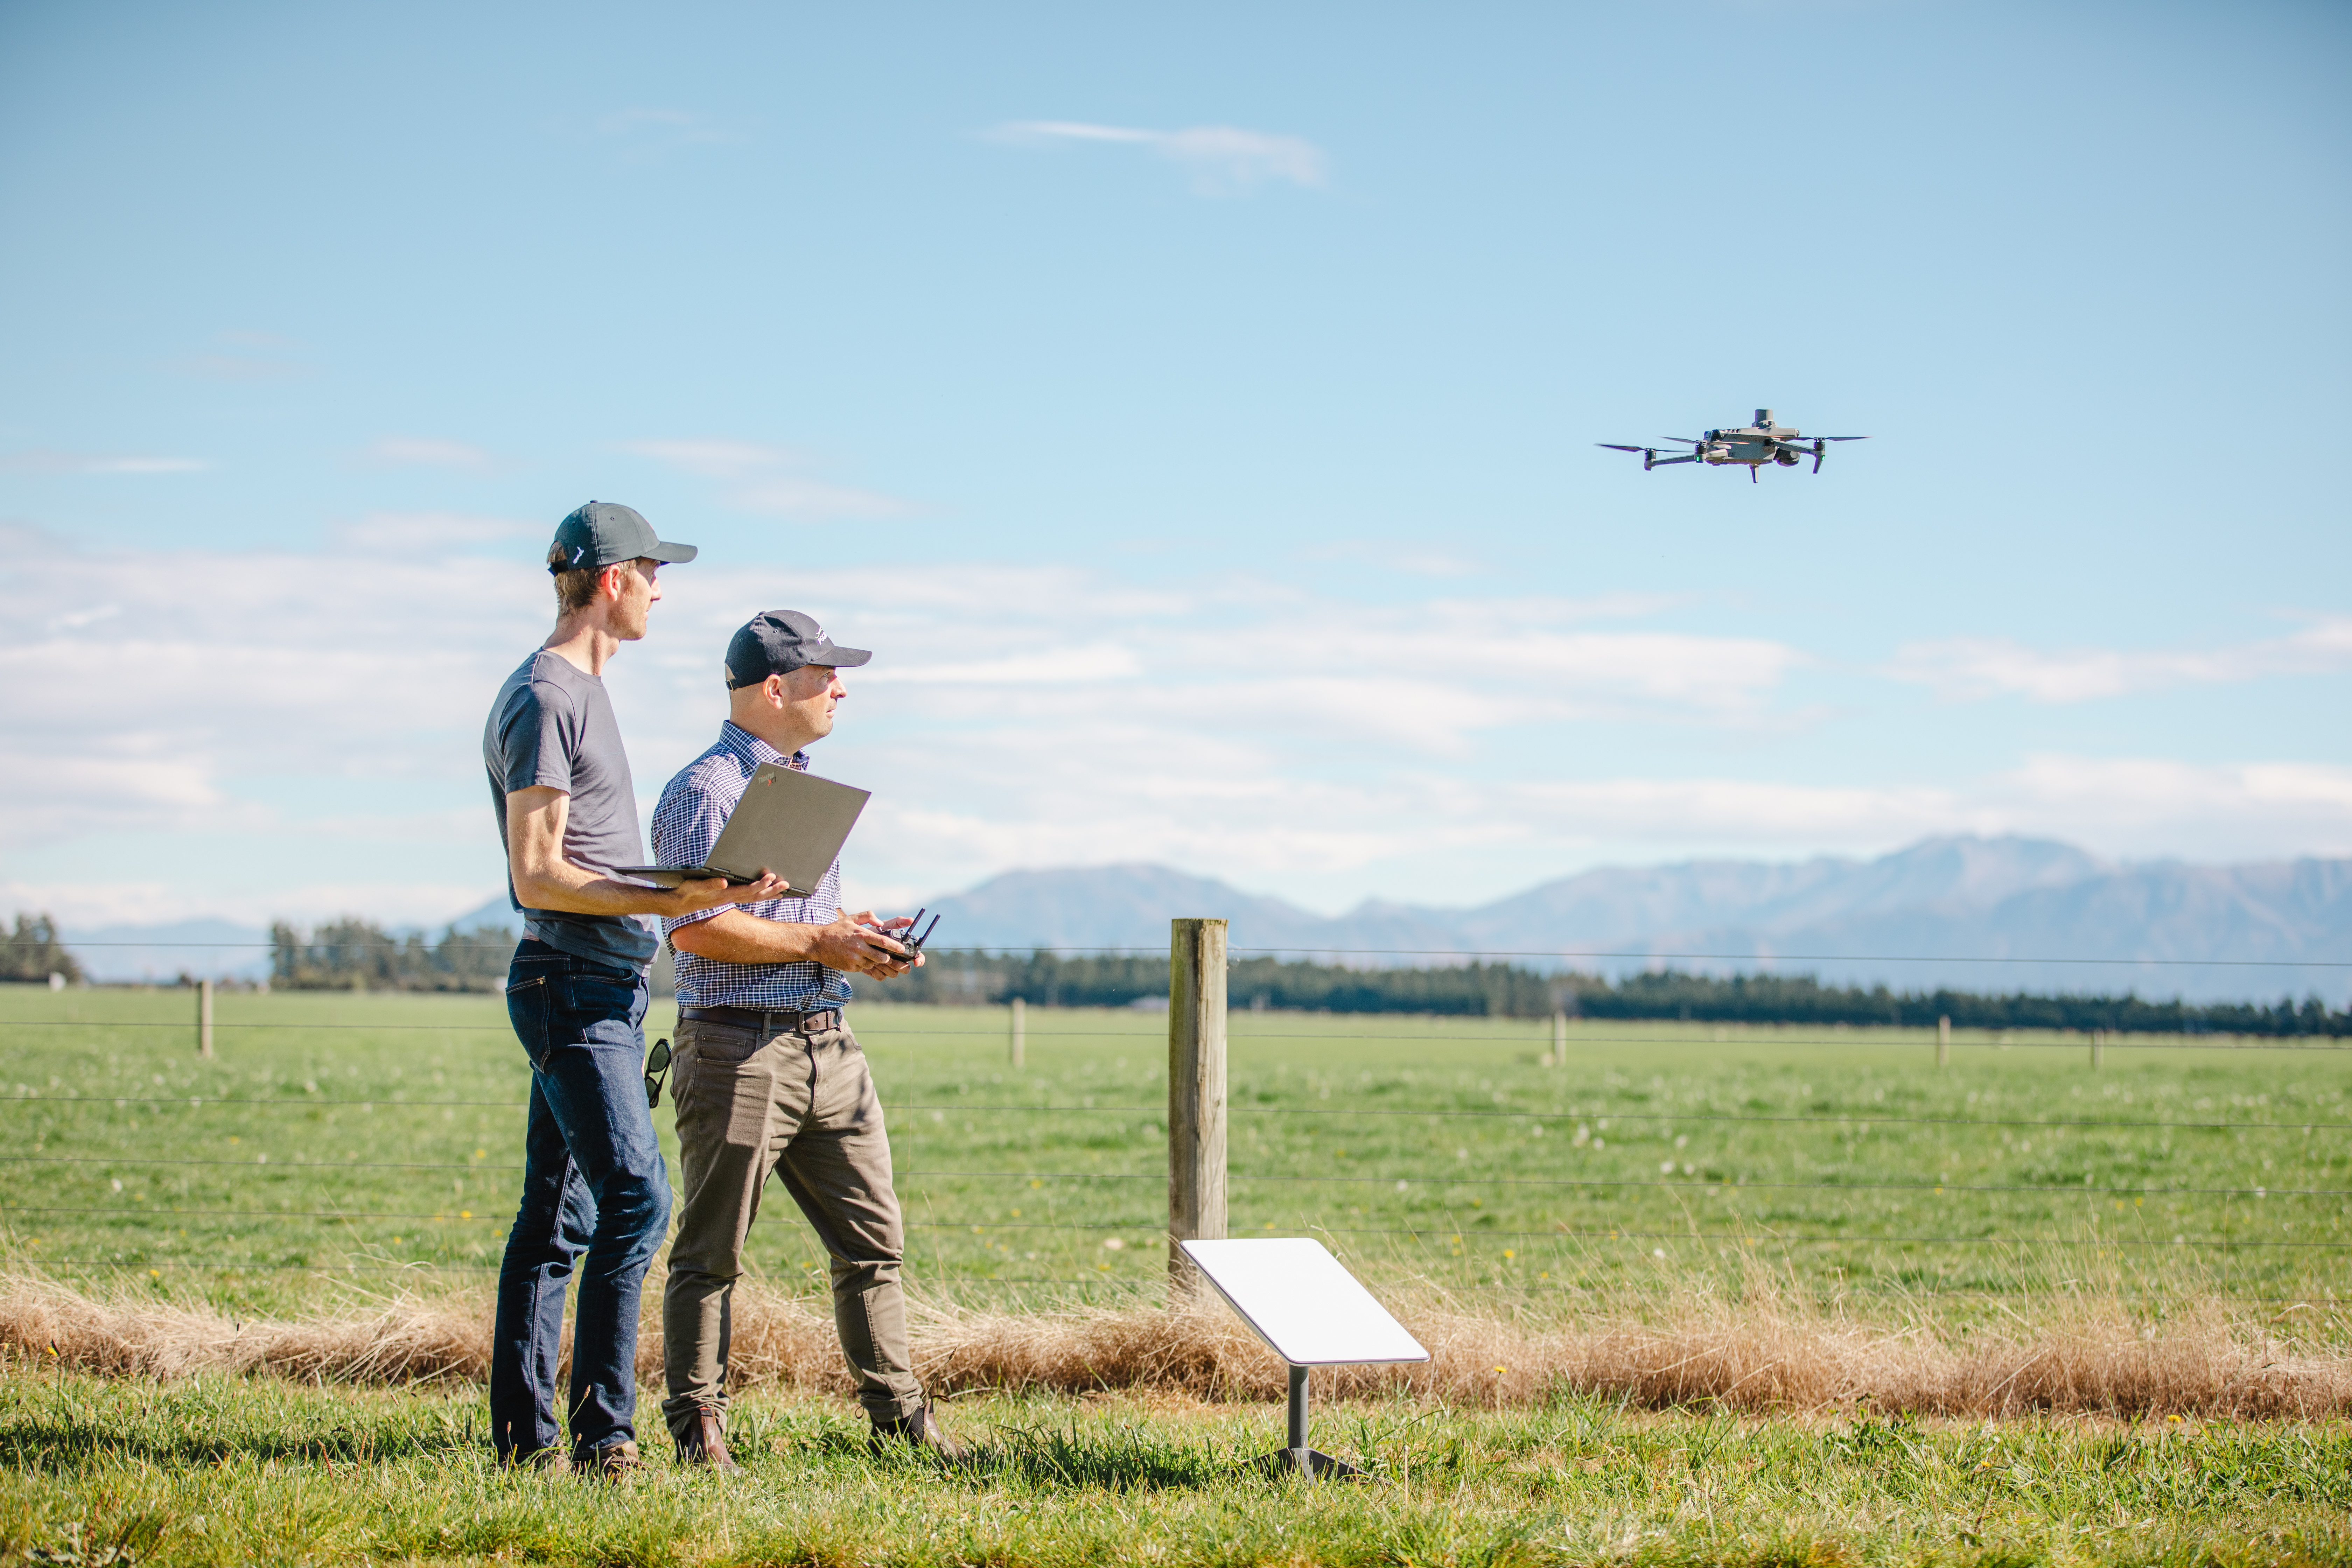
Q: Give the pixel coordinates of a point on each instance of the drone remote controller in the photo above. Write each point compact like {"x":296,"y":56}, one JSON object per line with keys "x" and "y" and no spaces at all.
{"x":906,"y":937}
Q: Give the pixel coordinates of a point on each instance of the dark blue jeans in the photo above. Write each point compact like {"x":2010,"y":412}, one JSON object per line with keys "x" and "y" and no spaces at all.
{"x":593,"y":1183}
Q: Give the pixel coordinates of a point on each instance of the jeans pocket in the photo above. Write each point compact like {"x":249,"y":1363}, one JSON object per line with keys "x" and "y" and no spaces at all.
{"x":585,"y":1000}
{"x":532,"y":1011}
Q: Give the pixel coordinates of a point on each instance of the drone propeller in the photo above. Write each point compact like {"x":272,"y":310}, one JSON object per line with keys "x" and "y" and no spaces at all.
{"x":1615,"y":447}
{"x":1837,"y":437}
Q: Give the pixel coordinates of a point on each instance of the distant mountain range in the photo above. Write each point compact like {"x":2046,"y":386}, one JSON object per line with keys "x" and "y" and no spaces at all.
{"x":1978,"y":913}
{"x":1974,"y":913}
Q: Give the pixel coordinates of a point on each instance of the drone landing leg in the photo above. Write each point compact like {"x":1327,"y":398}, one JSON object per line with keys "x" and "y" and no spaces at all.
{"x":1752,"y":473}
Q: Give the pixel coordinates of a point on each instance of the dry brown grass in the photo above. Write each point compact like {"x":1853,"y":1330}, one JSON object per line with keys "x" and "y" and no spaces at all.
{"x":1755,"y":1355}
{"x":403,"y":1339}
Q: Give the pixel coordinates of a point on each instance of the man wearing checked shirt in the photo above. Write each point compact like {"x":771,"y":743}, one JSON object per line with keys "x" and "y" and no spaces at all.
{"x":769,"y":1077}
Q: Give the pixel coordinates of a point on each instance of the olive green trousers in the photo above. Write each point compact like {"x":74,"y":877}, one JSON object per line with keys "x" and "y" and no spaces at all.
{"x":801,"y":1106}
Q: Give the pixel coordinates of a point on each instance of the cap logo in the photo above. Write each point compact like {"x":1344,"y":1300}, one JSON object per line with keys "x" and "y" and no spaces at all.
{"x":578,"y":554}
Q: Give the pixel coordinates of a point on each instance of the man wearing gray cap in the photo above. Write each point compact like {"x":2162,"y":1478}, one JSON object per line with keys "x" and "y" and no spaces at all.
{"x":595,"y":1196}
{"x":770,"y":1077}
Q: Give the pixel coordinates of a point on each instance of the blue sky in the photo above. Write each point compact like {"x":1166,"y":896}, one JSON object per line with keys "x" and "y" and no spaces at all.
{"x":1194,"y":406}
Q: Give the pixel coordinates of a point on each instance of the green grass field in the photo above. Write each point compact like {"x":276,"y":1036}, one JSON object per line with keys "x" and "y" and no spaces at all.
{"x":223,"y":1472}
{"x":347,"y":1137}
{"x":347,"y":1145}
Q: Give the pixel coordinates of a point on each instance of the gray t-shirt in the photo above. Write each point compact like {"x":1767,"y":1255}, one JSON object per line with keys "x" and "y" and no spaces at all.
{"x":552,"y":724}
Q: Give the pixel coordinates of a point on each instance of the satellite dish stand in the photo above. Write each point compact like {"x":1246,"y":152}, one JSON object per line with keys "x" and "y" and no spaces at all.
{"x":1299,"y":1458}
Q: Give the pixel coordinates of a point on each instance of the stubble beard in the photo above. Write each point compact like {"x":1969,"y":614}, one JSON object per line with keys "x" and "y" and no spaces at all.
{"x":629,"y":624}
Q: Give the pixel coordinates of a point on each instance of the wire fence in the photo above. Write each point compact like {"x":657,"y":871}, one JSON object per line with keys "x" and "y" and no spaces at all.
{"x":1776,"y":1039}
{"x":1455,"y":953}
{"x":2204,"y":1218}
{"x":1402,"y":1183}
{"x":1863,"y":1118}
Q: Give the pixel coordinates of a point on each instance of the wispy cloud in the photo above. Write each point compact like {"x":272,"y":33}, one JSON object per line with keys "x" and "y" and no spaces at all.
{"x":767,"y":480}
{"x":1221,"y":158}
{"x":240,"y":363}
{"x":245,"y":368}
{"x":1394,"y":555}
{"x":427,"y":532}
{"x":427,"y":452}
{"x":1974,"y":668}
{"x":45,"y":460}
{"x":713,"y":458}
{"x":649,"y":134}
{"x":75,"y":620}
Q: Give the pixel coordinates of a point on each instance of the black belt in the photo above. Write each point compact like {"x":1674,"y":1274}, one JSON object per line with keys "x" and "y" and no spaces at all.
{"x":768,"y":1021}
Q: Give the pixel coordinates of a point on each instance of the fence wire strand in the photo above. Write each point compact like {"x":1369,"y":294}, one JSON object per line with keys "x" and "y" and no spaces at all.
{"x":1857,"y":1040}
{"x":1865,"y":1122}
{"x":316,"y":1167}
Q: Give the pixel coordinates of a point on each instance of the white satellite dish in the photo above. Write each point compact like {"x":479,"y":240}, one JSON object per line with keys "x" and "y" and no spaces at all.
{"x":1303,"y":1302}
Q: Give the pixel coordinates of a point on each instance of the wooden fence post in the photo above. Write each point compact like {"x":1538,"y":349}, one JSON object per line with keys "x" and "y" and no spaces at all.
{"x":1944,"y":1042}
{"x":203,"y":1017}
{"x":1020,"y":1031}
{"x":1558,"y":1038}
{"x":1196,"y":1094}
{"x":2098,"y":1047}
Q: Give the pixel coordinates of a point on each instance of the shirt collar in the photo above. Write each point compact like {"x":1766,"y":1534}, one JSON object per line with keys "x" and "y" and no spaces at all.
{"x":744,"y":743}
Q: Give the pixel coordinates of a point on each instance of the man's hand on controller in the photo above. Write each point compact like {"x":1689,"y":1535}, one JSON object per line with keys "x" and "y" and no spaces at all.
{"x":862,"y":945}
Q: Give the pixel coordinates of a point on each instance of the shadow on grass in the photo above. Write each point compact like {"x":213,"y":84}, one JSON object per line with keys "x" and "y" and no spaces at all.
{"x":56,"y":1445}
{"x":62,"y":1427}
{"x":1124,"y":1459}
{"x":1119,"y":1458}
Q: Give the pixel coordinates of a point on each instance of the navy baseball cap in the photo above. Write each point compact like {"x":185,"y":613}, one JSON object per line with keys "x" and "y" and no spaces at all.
{"x":777,"y":642}
{"x":603,"y":534}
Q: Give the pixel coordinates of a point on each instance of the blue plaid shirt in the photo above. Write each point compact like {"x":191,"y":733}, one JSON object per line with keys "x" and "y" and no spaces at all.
{"x":693,"y":806}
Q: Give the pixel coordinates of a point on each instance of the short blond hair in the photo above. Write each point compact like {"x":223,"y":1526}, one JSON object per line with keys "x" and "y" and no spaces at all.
{"x":575,"y":587}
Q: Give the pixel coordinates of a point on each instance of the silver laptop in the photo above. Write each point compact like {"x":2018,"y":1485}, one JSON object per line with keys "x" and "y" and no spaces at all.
{"x":791,"y":823}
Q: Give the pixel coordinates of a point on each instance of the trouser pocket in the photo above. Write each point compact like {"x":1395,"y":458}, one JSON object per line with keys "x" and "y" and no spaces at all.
{"x":596,"y":1006}
{"x":530,"y":1009}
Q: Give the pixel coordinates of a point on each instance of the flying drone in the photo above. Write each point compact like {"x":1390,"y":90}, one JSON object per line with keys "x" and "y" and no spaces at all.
{"x":1754,"y":446}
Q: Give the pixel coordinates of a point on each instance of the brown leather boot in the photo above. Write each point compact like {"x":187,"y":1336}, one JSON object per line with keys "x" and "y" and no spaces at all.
{"x":922,"y":1432}
{"x":705,"y":1444}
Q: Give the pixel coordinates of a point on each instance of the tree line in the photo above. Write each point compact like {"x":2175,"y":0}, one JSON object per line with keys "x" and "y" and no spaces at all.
{"x":354,"y":955}
{"x":1508,"y":991}
{"x":34,"y":952}
{"x":360,"y":955}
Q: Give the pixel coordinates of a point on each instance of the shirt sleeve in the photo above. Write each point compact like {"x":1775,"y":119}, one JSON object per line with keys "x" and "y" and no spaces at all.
{"x":537,"y":739}
{"x":686,"y":821}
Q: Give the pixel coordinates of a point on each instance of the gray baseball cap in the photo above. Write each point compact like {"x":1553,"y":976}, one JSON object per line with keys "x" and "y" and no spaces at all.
{"x":777,"y":642}
{"x":603,"y":534}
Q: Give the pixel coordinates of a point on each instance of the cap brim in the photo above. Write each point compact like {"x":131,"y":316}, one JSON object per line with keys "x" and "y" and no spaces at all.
{"x":664,"y":551}
{"x":834,"y":657}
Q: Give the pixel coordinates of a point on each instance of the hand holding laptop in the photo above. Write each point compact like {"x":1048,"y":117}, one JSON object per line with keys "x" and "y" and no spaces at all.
{"x":696,"y":894}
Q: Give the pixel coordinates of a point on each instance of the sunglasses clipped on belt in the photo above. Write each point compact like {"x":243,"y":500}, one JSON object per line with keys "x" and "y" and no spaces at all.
{"x":656,"y":1064}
